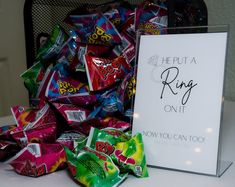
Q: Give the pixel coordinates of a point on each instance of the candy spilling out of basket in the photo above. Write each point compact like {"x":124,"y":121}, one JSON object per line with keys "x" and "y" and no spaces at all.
{"x":81,"y":86}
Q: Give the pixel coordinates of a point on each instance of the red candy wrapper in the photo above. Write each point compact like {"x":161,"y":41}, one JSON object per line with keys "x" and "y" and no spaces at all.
{"x":102,"y":73}
{"x":7,"y":149}
{"x":72,"y":113}
{"x":38,"y":159}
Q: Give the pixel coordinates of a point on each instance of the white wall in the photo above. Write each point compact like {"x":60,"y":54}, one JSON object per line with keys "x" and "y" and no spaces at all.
{"x":223,"y":12}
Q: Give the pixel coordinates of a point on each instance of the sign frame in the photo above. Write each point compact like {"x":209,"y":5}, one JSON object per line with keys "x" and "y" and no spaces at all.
{"x":139,"y":105}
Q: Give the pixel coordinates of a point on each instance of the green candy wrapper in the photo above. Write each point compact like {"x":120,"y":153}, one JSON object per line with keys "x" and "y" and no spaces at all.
{"x":53,"y":46}
{"x":93,"y":169}
{"x":127,"y":153}
{"x":33,"y":77}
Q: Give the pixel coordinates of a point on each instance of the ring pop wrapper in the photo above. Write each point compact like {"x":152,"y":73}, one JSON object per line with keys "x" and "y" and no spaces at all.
{"x":32,"y":78}
{"x":53,"y":44}
{"x":64,"y":86}
{"x":110,"y":104}
{"x":39,"y":159}
{"x":34,"y":125}
{"x":127,"y":154}
{"x":72,"y":113}
{"x":151,"y":17}
{"x":99,"y":31}
{"x":127,"y":89}
{"x":72,"y":140}
{"x":8,"y":149}
{"x":102,"y":73}
{"x":41,"y":134}
{"x":69,"y":91}
{"x":93,"y":169}
{"x":27,"y":118}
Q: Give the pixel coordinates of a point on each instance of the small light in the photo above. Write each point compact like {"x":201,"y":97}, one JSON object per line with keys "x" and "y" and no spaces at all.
{"x":188,"y":162}
{"x":209,"y":130}
{"x":136,"y":115}
{"x":198,"y":150}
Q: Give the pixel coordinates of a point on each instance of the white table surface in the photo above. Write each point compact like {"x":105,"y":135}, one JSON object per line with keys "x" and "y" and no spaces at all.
{"x":158,"y":177}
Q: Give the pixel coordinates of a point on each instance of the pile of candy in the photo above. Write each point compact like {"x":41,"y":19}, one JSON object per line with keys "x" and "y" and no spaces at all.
{"x":82,"y":85}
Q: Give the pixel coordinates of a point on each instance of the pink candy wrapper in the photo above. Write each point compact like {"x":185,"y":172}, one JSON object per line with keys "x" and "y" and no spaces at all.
{"x":38,"y":159}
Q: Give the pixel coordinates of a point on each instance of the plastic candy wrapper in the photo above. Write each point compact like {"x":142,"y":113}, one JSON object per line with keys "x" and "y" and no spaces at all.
{"x":43,"y":84}
{"x":126,"y":153}
{"x":39,"y":159}
{"x":72,"y":140}
{"x":32,"y":78}
{"x":34,"y":125}
{"x":63,"y":86}
{"x":69,"y":91}
{"x":53,"y":45}
{"x":151,"y":17}
{"x":102,"y":73}
{"x":27,"y":117}
{"x":41,"y":134}
{"x":127,"y":89}
{"x":8,"y":149}
{"x":72,"y":113}
{"x":99,"y":31}
{"x":68,"y":50}
{"x":5,"y":132}
{"x":110,"y":104}
{"x":93,"y":169}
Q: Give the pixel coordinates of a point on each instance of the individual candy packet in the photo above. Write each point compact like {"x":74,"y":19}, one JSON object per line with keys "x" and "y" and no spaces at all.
{"x":102,"y":73}
{"x":99,"y":30}
{"x":53,"y":44}
{"x":129,"y":27}
{"x":34,"y":125}
{"x":38,"y":159}
{"x":126,"y":153}
{"x":72,"y":140}
{"x":32,"y":78}
{"x":72,"y":113}
{"x":110,"y":104}
{"x":64,"y":86}
{"x":93,"y":169}
{"x":43,"y":84}
{"x":151,"y":17}
{"x":8,"y":149}
{"x":92,"y":50}
{"x":104,"y":32}
{"x":127,"y":89}
{"x":27,"y":117}
{"x":45,"y":133}
{"x":5,"y":131}
{"x":68,"y":50}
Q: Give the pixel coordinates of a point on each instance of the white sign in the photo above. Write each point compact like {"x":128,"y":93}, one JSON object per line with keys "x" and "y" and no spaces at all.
{"x":179,"y":98}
